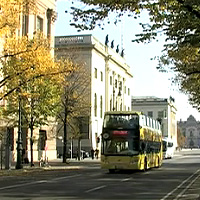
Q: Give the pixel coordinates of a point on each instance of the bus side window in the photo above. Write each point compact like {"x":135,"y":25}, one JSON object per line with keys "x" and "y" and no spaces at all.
{"x":164,"y":146}
{"x":142,"y":146}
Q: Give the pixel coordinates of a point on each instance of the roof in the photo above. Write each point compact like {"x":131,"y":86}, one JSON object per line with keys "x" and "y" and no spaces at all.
{"x":122,"y":112}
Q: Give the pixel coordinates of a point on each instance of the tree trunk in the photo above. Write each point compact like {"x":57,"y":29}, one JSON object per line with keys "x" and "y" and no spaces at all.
{"x":31,"y":146}
{"x":79,"y":148}
{"x":65,"y":139}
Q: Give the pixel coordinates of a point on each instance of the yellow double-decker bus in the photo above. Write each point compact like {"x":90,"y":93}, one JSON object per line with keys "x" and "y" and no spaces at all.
{"x":130,"y":140}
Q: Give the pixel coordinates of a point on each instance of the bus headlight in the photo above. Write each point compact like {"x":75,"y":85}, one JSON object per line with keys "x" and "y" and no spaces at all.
{"x":106,"y":135}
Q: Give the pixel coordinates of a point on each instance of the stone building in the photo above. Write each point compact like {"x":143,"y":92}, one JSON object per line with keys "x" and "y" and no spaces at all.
{"x":109,"y":75}
{"x":191,"y":130}
{"x":163,"y":109}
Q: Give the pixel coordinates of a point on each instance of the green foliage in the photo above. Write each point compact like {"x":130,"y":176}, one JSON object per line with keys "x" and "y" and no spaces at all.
{"x":177,"y":20}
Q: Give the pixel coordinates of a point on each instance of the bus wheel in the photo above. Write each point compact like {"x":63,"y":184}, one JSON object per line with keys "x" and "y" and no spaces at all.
{"x":112,"y":171}
{"x":145,"y":165}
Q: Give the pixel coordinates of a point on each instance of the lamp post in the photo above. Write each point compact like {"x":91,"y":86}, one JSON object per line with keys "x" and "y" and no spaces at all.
{"x":19,"y":141}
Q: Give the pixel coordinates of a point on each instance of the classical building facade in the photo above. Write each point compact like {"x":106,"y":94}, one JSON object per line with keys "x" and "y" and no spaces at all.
{"x":42,"y":20}
{"x":110,"y":79}
{"x":163,"y":109}
{"x":191,"y":130}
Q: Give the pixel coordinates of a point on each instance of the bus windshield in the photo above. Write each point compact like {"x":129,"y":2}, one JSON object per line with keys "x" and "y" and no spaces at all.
{"x":121,"y":121}
{"x":122,"y":146}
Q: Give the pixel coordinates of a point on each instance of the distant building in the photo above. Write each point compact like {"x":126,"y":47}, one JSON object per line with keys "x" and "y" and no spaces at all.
{"x":110,"y":80}
{"x":191,"y":130}
{"x":162,"y":109}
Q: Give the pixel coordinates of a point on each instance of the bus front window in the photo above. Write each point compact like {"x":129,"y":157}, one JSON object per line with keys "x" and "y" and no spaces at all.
{"x":120,"y":146}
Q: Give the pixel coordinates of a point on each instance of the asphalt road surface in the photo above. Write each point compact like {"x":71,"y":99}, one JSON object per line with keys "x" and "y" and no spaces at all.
{"x":168,"y":182}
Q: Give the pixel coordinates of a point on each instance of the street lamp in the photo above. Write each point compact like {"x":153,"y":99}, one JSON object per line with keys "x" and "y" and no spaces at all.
{"x":19,"y":141}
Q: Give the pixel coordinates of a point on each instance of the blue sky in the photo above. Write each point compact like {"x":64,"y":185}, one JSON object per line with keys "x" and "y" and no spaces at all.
{"x":147,"y":81}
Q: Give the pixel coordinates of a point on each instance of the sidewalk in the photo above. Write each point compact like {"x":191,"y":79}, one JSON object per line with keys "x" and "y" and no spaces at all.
{"x":56,"y":164}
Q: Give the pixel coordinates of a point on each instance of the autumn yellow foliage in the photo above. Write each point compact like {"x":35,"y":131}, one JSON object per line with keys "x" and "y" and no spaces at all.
{"x":10,"y":15}
{"x":23,"y":58}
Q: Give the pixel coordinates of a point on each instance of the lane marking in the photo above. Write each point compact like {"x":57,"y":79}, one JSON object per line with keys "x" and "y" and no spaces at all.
{"x":37,"y":182}
{"x":183,"y":191}
{"x":20,"y":185}
{"x":96,"y":188}
{"x":180,"y":185}
{"x":126,"y":179}
{"x":64,"y":177}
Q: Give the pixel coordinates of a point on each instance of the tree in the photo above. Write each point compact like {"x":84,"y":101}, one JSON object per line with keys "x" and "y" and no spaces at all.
{"x":74,"y":102}
{"x":35,"y":83}
{"x":17,"y":50}
{"x":29,"y":73}
{"x":177,"y":20}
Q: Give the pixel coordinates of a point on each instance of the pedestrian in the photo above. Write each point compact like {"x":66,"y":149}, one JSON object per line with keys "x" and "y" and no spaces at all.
{"x":97,"y":153}
{"x":92,"y":153}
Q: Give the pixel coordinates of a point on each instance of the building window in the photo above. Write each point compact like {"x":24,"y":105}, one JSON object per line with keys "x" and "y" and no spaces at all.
{"x":101,"y":76}
{"x":110,"y":80}
{"x":191,"y":134}
{"x":128,"y":91}
{"x":115,"y":83}
{"x":39,"y":24}
{"x":124,"y":89}
{"x":111,"y":104}
{"x":121,"y":106}
{"x":101,"y":106}
{"x":95,"y":104}
{"x":160,"y":114}
{"x":95,"y":72}
{"x":120,"y":85}
{"x":25,"y":25}
{"x":150,"y":113}
{"x":42,"y":139}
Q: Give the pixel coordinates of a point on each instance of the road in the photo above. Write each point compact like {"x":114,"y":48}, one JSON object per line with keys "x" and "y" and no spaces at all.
{"x":168,"y":182}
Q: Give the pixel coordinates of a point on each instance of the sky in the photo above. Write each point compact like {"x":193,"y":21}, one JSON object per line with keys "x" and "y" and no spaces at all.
{"x":147,"y":80}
